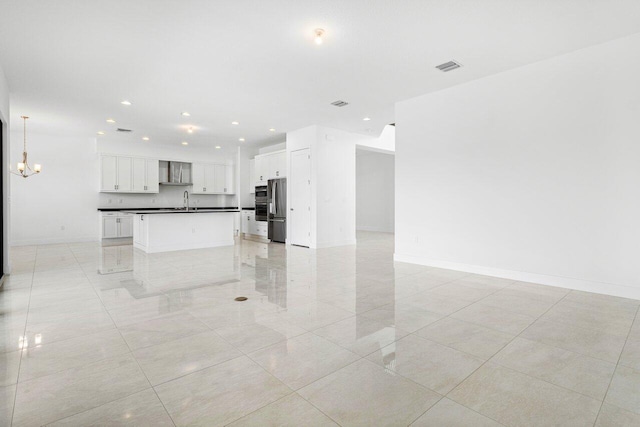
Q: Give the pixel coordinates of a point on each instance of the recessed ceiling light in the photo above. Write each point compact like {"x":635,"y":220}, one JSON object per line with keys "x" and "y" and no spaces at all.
{"x":272,"y":130}
{"x":366,"y":119}
{"x":218,"y":147}
{"x":190,"y":130}
{"x":125,"y":102}
{"x":145,"y":138}
{"x":185,"y":143}
{"x":186,"y":114}
{"x":319,"y":32}
{"x":241,"y":139}
{"x":110,"y":121}
{"x":100,"y":132}
{"x":235,"y":123}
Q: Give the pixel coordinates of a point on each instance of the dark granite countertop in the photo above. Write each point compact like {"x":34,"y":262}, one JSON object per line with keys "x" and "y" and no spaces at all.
{"x":150,"y":210}
{"x":177,"y":211}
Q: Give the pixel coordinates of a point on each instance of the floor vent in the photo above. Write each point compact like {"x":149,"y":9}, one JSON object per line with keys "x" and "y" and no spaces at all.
{"x":448,"y":66}
{"x":340,"y":103}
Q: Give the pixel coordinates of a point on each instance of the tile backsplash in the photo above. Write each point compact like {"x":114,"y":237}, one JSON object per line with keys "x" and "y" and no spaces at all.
{"x":169,"y":196}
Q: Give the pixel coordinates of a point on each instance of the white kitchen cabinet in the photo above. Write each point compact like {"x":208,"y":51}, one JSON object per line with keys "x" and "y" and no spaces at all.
{"x":140,"y":231}
{"x":126,"y":226}
{"x":109,"y":227}
{"x":153,"y":179}
{"x":278,"y":165}
{"x":229,"y":179}
{"x":115,"y":174}
{"x":262,"y":169}
{"x":121,"y":174}
{"x":252,"y":174}
{"x":115,"y":225}
{"x":139,"y":174}
{"x":270,"y":166}
{"x":212,"y":179}
{"x":251,"y":227}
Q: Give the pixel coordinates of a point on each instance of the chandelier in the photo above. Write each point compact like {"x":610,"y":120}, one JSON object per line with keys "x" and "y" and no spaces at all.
{"x":24,"y":170}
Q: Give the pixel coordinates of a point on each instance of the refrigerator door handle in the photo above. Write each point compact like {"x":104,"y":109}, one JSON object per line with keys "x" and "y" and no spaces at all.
{"x":275,"y":198}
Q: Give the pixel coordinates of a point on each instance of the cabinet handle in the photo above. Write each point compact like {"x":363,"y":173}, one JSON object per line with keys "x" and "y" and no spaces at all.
{"x":277,"y":173}
{"x":260,"y":177}
{"x":204,"y":188}
{"x":225,"y":190}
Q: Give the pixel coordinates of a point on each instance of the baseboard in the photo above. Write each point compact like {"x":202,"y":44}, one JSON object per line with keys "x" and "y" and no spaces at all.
{"x":333,"y":244}
{"x":53,"y":241}
{"x":543,"y":279}
{"x":376,"y":229}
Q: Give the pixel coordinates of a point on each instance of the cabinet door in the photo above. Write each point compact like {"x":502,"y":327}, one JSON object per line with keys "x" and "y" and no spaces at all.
{"x":252,"y":174}
{"x":217,"y":182}
{"x":108,"y":173}
{"x":229,"y":181}
{"x":124,"y":174}
{"x":138,"y":175}
{"x":153,"y":176}
{"x":280,"y":164}
{"x":262,"y":169}
{"x":140,"y":234}
{"x":211,"y":179}
{"x":198,"y":175}
{"x":126,"y":226}
{"x":109,"y":227}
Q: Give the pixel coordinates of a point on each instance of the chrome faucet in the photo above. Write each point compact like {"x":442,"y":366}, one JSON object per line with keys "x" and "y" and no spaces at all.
{"x":185,"y":202}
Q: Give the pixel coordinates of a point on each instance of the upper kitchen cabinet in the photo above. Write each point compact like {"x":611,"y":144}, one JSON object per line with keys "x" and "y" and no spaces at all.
{"x":116,"y":174}
{"x":212,"y":179}
{"x":145,"y":176}
{"x":121,"y":174}
{"x":269,"y":166}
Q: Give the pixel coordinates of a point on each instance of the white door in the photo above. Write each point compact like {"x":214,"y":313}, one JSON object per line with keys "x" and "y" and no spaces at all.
{"x":299,"y":182}
{"x":139,"y":175}
{"x":153,"y":176}
{"x":108,"y":173}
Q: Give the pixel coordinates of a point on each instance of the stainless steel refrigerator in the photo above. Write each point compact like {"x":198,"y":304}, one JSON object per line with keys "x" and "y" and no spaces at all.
{"x":277,"y":209}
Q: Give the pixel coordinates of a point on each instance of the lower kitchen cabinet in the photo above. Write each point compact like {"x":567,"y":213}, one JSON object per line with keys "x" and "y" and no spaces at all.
{"x":251,"y":227}
{"x":115,"y":225}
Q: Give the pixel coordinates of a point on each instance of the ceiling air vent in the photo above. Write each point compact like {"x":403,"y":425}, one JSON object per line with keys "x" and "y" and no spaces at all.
{"x":340,"y":103}
{"x":448,"y":66}
{"x":123,"y":130}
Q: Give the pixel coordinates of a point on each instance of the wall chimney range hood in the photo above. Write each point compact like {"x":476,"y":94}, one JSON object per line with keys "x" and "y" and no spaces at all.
{"x":175,"y":173}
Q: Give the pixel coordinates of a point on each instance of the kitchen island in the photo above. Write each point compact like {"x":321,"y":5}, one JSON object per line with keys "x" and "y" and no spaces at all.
{"x":176,"y":230}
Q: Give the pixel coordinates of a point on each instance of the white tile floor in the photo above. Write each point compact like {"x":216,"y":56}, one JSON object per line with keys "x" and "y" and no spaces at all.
{"x":340,"y":336}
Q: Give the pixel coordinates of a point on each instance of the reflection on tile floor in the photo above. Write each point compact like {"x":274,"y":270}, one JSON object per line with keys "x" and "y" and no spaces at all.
{"x":340,"y":336}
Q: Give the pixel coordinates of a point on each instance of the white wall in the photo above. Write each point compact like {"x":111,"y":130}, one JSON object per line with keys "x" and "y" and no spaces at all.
{"x":63,"y":195}
{"x":375,"y":191}
{"x":6,"y":187}
{"x":333,"y":182}
{"x":530,"y":174}
{"x":385,"y":143}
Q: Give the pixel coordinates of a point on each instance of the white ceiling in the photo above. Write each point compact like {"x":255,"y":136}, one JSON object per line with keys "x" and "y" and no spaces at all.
{"x":70,"y":63}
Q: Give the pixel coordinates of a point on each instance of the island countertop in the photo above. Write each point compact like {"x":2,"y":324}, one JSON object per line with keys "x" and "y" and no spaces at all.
{"x":176,"y":211}
{"x":148,"y":210}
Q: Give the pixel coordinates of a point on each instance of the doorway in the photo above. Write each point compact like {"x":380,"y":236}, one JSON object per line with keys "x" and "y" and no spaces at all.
{"x":300,"y":198}
{"x":375,"y":191}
